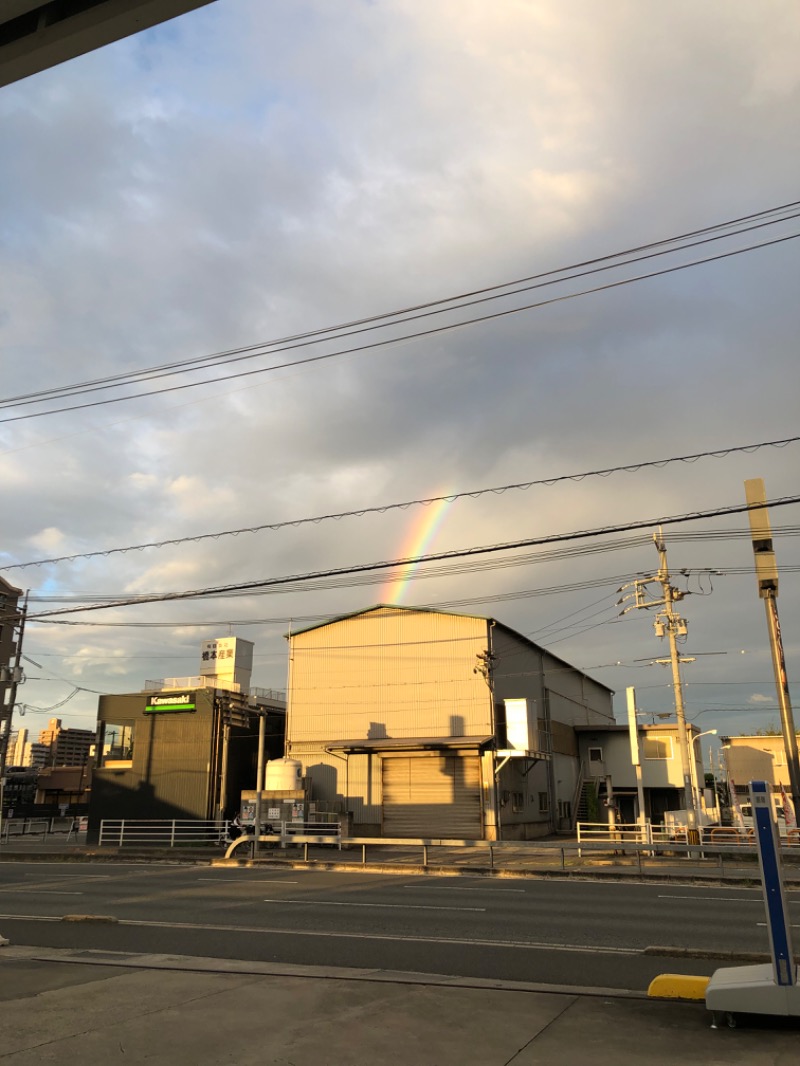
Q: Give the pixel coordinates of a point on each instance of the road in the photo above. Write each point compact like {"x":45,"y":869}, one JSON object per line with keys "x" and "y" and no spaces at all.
{"x":568,"y":932}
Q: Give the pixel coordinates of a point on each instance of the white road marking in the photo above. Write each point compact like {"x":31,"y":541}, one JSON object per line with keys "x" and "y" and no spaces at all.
{"x":384,"y":906}
{"x":477,"y":888}
{"x":763,"y":925}
{"x":53,"y":892}
{"x":255,"y":881}
{"x":714,"y":899}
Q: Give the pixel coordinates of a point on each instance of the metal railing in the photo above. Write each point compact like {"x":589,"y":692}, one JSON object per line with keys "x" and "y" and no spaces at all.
{"x":41,"y":827}
{"x":729,"y":836}
{"x":168,"y":832}
{"x":624,"y":848}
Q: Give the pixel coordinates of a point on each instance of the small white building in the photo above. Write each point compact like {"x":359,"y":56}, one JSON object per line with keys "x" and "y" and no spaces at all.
{"x":605,"y":754}
{"x":755,"y":758}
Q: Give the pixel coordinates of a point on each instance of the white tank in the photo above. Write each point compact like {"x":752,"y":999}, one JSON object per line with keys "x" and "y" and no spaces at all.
{"x":283,"y":775}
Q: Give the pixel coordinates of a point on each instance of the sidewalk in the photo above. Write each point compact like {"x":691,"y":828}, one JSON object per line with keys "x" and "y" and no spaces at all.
{"x":105,"y":1007}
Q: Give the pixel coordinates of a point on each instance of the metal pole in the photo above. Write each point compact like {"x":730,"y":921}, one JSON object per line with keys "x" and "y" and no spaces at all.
{"x":767,"y":581}
{"x":223,"y":777}
{"x":262,"y":727}
{"x":633,"y":729}
{"x":784,"y":700}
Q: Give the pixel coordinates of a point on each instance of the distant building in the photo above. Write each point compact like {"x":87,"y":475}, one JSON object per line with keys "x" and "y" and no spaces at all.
{"x":36,"y":755}
{"x":17,"y":745}
{"x":66,"y":746}
{"x":755,"y":758}
{"x":424,"y":723}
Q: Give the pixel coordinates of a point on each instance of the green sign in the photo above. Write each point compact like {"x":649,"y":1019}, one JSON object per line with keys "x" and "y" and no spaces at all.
{"x":172,"y":701}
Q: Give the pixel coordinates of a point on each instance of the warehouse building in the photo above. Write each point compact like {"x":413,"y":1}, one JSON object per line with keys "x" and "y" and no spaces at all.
{"x":424,"y":723}
{"x":185,"y":747}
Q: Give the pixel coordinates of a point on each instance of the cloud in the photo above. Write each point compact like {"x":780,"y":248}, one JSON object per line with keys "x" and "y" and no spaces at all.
{"x":255,"y":173}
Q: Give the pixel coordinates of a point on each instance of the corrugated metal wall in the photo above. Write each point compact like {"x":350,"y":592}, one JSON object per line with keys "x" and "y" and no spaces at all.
{"x":432,"y":796}
{"x":389,"y":673}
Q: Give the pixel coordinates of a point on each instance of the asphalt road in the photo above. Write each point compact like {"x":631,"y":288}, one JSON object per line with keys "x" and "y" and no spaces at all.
{"x":578,"y":933}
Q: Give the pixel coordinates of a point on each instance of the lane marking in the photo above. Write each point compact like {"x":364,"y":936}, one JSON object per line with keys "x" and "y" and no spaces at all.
{"x":255,"y":881}
{"x":461,"y":888}
{"x":530,"y":945}
{"x":384,"y":906}
{"x":714,"y":899}
{"x":763,"y":925}
{"x":53,"y":892}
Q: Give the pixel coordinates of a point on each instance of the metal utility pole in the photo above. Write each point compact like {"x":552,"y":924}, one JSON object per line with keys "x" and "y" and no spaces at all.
{"x":767,"y":579}
{"x":669,"y":623}
{"x":262,"y":729}
{"x":633,"y":728}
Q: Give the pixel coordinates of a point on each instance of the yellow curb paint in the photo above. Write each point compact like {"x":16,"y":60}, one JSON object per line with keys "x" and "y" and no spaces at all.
{"x":678,"y":986}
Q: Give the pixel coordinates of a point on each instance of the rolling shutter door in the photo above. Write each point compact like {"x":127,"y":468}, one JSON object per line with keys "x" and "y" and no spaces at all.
{"x":432,"y":796}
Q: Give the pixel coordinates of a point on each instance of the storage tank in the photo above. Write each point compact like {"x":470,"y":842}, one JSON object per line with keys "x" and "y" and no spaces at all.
{"x":283,"y":775}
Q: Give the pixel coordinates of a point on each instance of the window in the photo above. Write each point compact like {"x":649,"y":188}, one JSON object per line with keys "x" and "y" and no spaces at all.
{"x":117,"y":746}
{"x":517,"y":802}
{"x":595,"y":754}
{"x":544,"y":803}
{"x":657,"y":747}
{"x":565,"y":810}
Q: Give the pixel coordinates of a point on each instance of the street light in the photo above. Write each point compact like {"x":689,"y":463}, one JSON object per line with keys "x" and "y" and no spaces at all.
{"x":693,"y":766}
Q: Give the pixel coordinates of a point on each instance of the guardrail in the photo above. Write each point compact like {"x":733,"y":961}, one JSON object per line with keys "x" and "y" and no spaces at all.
{"x":168,"y":832}
{"x":650,"y":834}
{"x":43,"y":827}
{"x":620,"y":849}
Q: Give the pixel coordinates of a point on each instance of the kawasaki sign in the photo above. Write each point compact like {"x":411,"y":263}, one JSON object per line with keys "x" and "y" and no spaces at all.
{"x":174,"y":701}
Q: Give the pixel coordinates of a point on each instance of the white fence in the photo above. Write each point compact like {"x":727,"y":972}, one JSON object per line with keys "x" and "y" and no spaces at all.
{"x":177,"y":833}
{"x":625,"y":846}
{"x":169,"y":833}
{"x":41,"y":827}
{"x":726,"y":836}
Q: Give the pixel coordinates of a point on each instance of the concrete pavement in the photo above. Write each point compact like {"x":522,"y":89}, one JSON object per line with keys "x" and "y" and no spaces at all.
{"x":103,"y":1007}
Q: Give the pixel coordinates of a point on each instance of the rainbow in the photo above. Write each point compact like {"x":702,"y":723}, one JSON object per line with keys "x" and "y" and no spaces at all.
{"x":418,"y":542}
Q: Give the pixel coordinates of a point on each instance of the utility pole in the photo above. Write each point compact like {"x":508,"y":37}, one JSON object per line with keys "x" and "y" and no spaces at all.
{"x":262,"y":729}
{"x":12,"y":618}
{"x":767,"y":578}
{"x":668,"y":622}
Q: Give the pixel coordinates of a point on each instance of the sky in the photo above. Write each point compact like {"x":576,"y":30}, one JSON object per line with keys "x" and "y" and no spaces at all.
{"x":250,"y":172}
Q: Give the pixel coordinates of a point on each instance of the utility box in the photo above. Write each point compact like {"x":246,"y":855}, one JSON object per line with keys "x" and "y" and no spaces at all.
{"x":276,"y":807}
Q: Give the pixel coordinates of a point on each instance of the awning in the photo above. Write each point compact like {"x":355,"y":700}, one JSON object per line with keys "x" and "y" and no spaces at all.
{"x":364,"y":747}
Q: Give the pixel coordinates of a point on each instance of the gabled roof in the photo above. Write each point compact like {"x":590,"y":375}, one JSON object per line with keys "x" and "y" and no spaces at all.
{"x":384,"y":607}
{"x":450,"y":614}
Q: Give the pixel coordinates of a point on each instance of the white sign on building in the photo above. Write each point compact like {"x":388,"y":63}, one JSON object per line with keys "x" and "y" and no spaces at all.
{"x":228,"y":659}
{"x":522,"y":732}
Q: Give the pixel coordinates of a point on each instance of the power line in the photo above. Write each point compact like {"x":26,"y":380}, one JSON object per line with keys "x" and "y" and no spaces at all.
{"x":434,"y":331}
{"x":717,"y":453}
{"x":285,"y":583}
{"x":451,"y":303}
